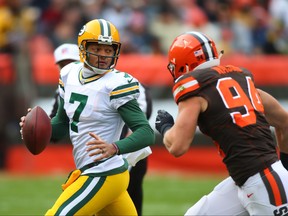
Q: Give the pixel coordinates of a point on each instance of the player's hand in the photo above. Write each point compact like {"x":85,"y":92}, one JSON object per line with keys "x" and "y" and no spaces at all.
{"x":164,"y":121}
{"x":21,"y":123}
{"x":98,"y":147}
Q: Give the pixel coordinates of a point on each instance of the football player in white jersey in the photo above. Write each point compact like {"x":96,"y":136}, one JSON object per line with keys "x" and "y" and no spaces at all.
{"x":67,"y":53}
{"x":96,"y":101}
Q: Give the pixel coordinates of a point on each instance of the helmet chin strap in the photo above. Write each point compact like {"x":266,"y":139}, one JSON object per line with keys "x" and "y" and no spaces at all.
{"x":96,"y":70}
{"x":91,"y":71}
{"x":87,"y":72}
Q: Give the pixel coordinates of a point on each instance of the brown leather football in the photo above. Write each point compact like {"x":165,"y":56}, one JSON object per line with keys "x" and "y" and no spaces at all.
{"x":36,"y":130}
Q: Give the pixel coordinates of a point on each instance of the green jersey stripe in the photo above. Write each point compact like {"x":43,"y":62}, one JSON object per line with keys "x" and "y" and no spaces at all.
{"x":124,"y":90}
{"x":88,"y":196}
{"x":124,"y":94}
{"x":126,"y":86}
{"x":73,"y":197}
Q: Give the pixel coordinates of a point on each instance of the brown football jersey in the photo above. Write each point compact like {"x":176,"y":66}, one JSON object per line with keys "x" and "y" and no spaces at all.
{"x":234,"y":118}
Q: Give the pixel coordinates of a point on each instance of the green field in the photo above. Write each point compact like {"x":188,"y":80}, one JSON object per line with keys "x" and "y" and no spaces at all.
{"x":163,"y":194}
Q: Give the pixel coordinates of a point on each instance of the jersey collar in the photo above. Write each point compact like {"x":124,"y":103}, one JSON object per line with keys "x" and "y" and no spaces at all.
{"x":92,"y":78}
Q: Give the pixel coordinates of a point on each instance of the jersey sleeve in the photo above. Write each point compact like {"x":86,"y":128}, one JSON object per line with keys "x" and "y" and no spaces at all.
{"x":135,"y":119}
{"x":187,"y":86}
{"x":126,"y":88}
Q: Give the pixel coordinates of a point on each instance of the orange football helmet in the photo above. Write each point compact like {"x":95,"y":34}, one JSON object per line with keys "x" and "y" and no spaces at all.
{"x":189,"y":51}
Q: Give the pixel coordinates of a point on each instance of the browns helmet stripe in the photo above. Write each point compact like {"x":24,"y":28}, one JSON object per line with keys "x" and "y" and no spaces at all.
{"x":105,"y":28}
{"x":205,"y":44}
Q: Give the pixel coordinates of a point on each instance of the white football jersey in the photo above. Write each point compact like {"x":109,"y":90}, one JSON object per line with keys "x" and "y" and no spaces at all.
{"x":91,"y":105}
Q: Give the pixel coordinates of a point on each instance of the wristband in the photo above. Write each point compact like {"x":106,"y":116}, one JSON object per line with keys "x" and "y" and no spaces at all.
{"x":116,"y":148}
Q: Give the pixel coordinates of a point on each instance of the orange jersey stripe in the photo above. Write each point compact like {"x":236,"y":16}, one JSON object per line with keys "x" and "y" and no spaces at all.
{"x":184,"y":86}
{"x":274,"y":187}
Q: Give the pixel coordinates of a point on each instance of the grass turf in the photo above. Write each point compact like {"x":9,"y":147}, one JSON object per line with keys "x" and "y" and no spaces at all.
{"x":165,"y":194}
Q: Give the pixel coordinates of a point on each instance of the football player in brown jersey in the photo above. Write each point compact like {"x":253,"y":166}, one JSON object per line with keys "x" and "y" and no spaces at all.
{"x":224,"y":103}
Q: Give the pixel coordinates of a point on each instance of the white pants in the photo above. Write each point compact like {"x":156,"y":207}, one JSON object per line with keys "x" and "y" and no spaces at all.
{"x":258,"y":196}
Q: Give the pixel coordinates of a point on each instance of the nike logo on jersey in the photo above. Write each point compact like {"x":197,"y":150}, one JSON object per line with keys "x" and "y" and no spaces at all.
{"x":129,"y":81}
{"x":249,"y":195}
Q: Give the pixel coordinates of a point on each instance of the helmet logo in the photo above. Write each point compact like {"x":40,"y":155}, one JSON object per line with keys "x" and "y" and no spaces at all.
{"x":198,"y":52}
{"x":199,"y":55}
{"x":181,"y":88}
{"x":105,"y":39}
{"x":82,"y":30}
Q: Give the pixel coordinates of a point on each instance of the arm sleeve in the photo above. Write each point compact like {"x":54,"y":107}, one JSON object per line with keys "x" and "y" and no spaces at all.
{"x":142,"y":136}
{"x":60,"y":123}
{"x":145,"y":99}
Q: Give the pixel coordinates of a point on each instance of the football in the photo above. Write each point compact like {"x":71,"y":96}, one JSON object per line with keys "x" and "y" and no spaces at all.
{"x":36,"y":130}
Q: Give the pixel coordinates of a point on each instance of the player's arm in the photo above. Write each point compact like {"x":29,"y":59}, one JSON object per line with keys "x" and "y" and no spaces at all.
{"x":179,"y":137}
{"x":60,"y":123}
{"x":277,"y":117}
{"x":145,"y":104}
{"x":135,"y":119}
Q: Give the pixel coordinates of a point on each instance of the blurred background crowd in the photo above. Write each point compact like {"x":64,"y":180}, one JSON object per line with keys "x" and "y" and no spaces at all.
{"x":250,"y":27}
{"x":148,"y":26}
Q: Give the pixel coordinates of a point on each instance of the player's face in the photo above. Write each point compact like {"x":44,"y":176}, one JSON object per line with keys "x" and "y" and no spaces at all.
{"x":100,"y":55}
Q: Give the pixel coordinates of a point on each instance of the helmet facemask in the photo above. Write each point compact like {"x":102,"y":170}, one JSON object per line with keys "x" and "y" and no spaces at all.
{"x":96,"y":66}
{"x":172,"y":67}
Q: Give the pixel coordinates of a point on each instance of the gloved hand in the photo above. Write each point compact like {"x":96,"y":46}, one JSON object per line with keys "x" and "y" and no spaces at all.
{"x":164,"y":121}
